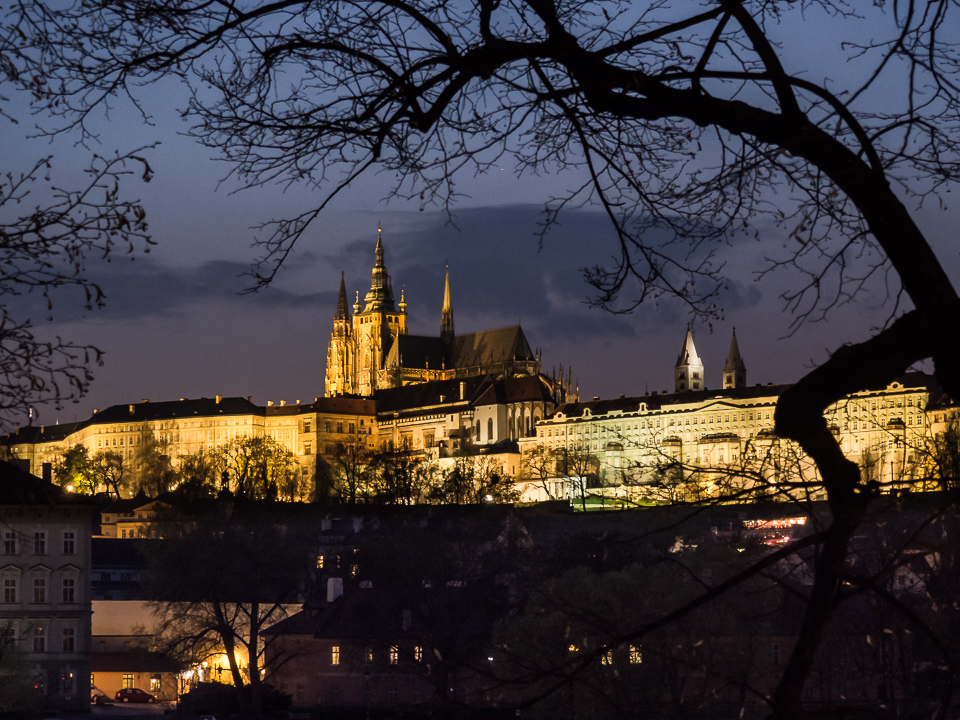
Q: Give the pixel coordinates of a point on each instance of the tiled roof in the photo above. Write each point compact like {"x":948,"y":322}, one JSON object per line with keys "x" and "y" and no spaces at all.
{"x":518,"y":389}
{"x":199,"y":407}
{"x":18,"y":487}
{"x":132,"y":661}
{"x":429,"y":394}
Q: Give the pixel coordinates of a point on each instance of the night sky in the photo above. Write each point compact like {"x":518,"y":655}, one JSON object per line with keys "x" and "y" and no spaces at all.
{"x":176,"y":323}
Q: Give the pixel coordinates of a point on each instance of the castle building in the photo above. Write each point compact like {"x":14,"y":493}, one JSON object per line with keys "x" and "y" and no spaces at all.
{"x":373,"y":351}
{"x":727,"y":436}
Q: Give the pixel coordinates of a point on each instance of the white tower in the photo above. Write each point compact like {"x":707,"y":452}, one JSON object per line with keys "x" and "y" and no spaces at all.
{"x":688,"y":372}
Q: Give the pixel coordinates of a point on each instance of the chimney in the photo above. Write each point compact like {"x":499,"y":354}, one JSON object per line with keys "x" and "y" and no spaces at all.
{"x":269,"y":403}
{"x":219,"y":398}
{"x":182,"y":399}
{"x":145,"y":400}
{"x":131,"y":409}
{"x":250,"y":398}
{"x":463,"y":385}
{"x":298,"y":402}
{"x":282,"y":403}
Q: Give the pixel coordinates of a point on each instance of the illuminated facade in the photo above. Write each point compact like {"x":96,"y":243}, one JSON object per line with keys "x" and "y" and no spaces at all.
{"x":729,"y":433}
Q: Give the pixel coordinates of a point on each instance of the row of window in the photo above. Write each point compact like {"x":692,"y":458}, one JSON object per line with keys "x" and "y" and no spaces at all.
{"x":369,"y":655}
{"x":14,"y":541}
{"x":40,"y":586}
{"x":38,"y":639}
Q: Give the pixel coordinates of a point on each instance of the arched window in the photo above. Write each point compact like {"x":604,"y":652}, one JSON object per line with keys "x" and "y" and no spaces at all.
{"x":528,"y":426}
{"x":477,"y":435}
{"x":490,"y":430}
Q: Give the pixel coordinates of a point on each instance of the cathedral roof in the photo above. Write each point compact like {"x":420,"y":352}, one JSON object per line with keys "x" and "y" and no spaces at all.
{"x":417,"y":351}
{"x":490,"y":347}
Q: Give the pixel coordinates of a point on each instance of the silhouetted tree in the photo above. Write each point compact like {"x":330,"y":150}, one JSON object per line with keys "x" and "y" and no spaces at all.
{"x":108,"y":468}
{"x":47,"y":233}
{"x":631,"y":94}
{"x":218,"y":581}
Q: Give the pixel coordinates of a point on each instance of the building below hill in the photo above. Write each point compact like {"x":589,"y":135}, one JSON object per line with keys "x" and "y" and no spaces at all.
{"x":46,"y":575}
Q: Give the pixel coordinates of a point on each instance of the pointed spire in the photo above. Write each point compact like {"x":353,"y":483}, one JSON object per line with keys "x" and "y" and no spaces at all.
{"x":688,"y":354}
{"x":342,"y":311}
{"x":688,"y":372}
{"x":446,"y":315}
{"x":734,"y":371}
{"x":380,"y":297}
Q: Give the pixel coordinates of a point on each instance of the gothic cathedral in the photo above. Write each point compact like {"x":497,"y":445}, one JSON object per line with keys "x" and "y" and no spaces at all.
{"x":371,"y":350}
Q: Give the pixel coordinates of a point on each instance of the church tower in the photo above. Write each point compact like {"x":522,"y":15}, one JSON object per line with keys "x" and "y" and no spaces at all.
{"x":446,"y":315}
{"x":340,"y":352}
{"x":734,"y":371}
{"x":688,"y":372}
{"x":376,"y":325}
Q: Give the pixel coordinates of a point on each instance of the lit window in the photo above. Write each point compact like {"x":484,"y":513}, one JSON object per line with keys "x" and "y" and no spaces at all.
{"x":607,"y":658}
{"x":368,"y":655}
{"x":155,"y":683}
{"x":335,"y":655}
{"x":319,"y":562}
{"x":39,"y":639}
{"x":418,"y":653}
{"x":635,"y":655}
{"x":394,"y":654}
{"x":128,"y":682}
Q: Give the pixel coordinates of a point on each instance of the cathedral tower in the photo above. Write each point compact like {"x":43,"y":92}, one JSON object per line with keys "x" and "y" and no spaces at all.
{"x":376,"y":325}
{"x":340,"y":352}
{"x":688,"y":372}
{"x":446,"y":315}
{"x":734,"y":371}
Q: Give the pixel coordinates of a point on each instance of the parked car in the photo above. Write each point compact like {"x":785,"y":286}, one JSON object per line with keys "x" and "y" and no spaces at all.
{"x":99,"y":698}
{"x":134,"y":695}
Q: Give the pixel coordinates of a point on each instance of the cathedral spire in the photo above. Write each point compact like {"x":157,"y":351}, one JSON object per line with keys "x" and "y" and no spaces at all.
{"x":380,"y":297}
{"x":343,"y":311}
{"x":446,"y":316}
{"x":734,"y":371}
